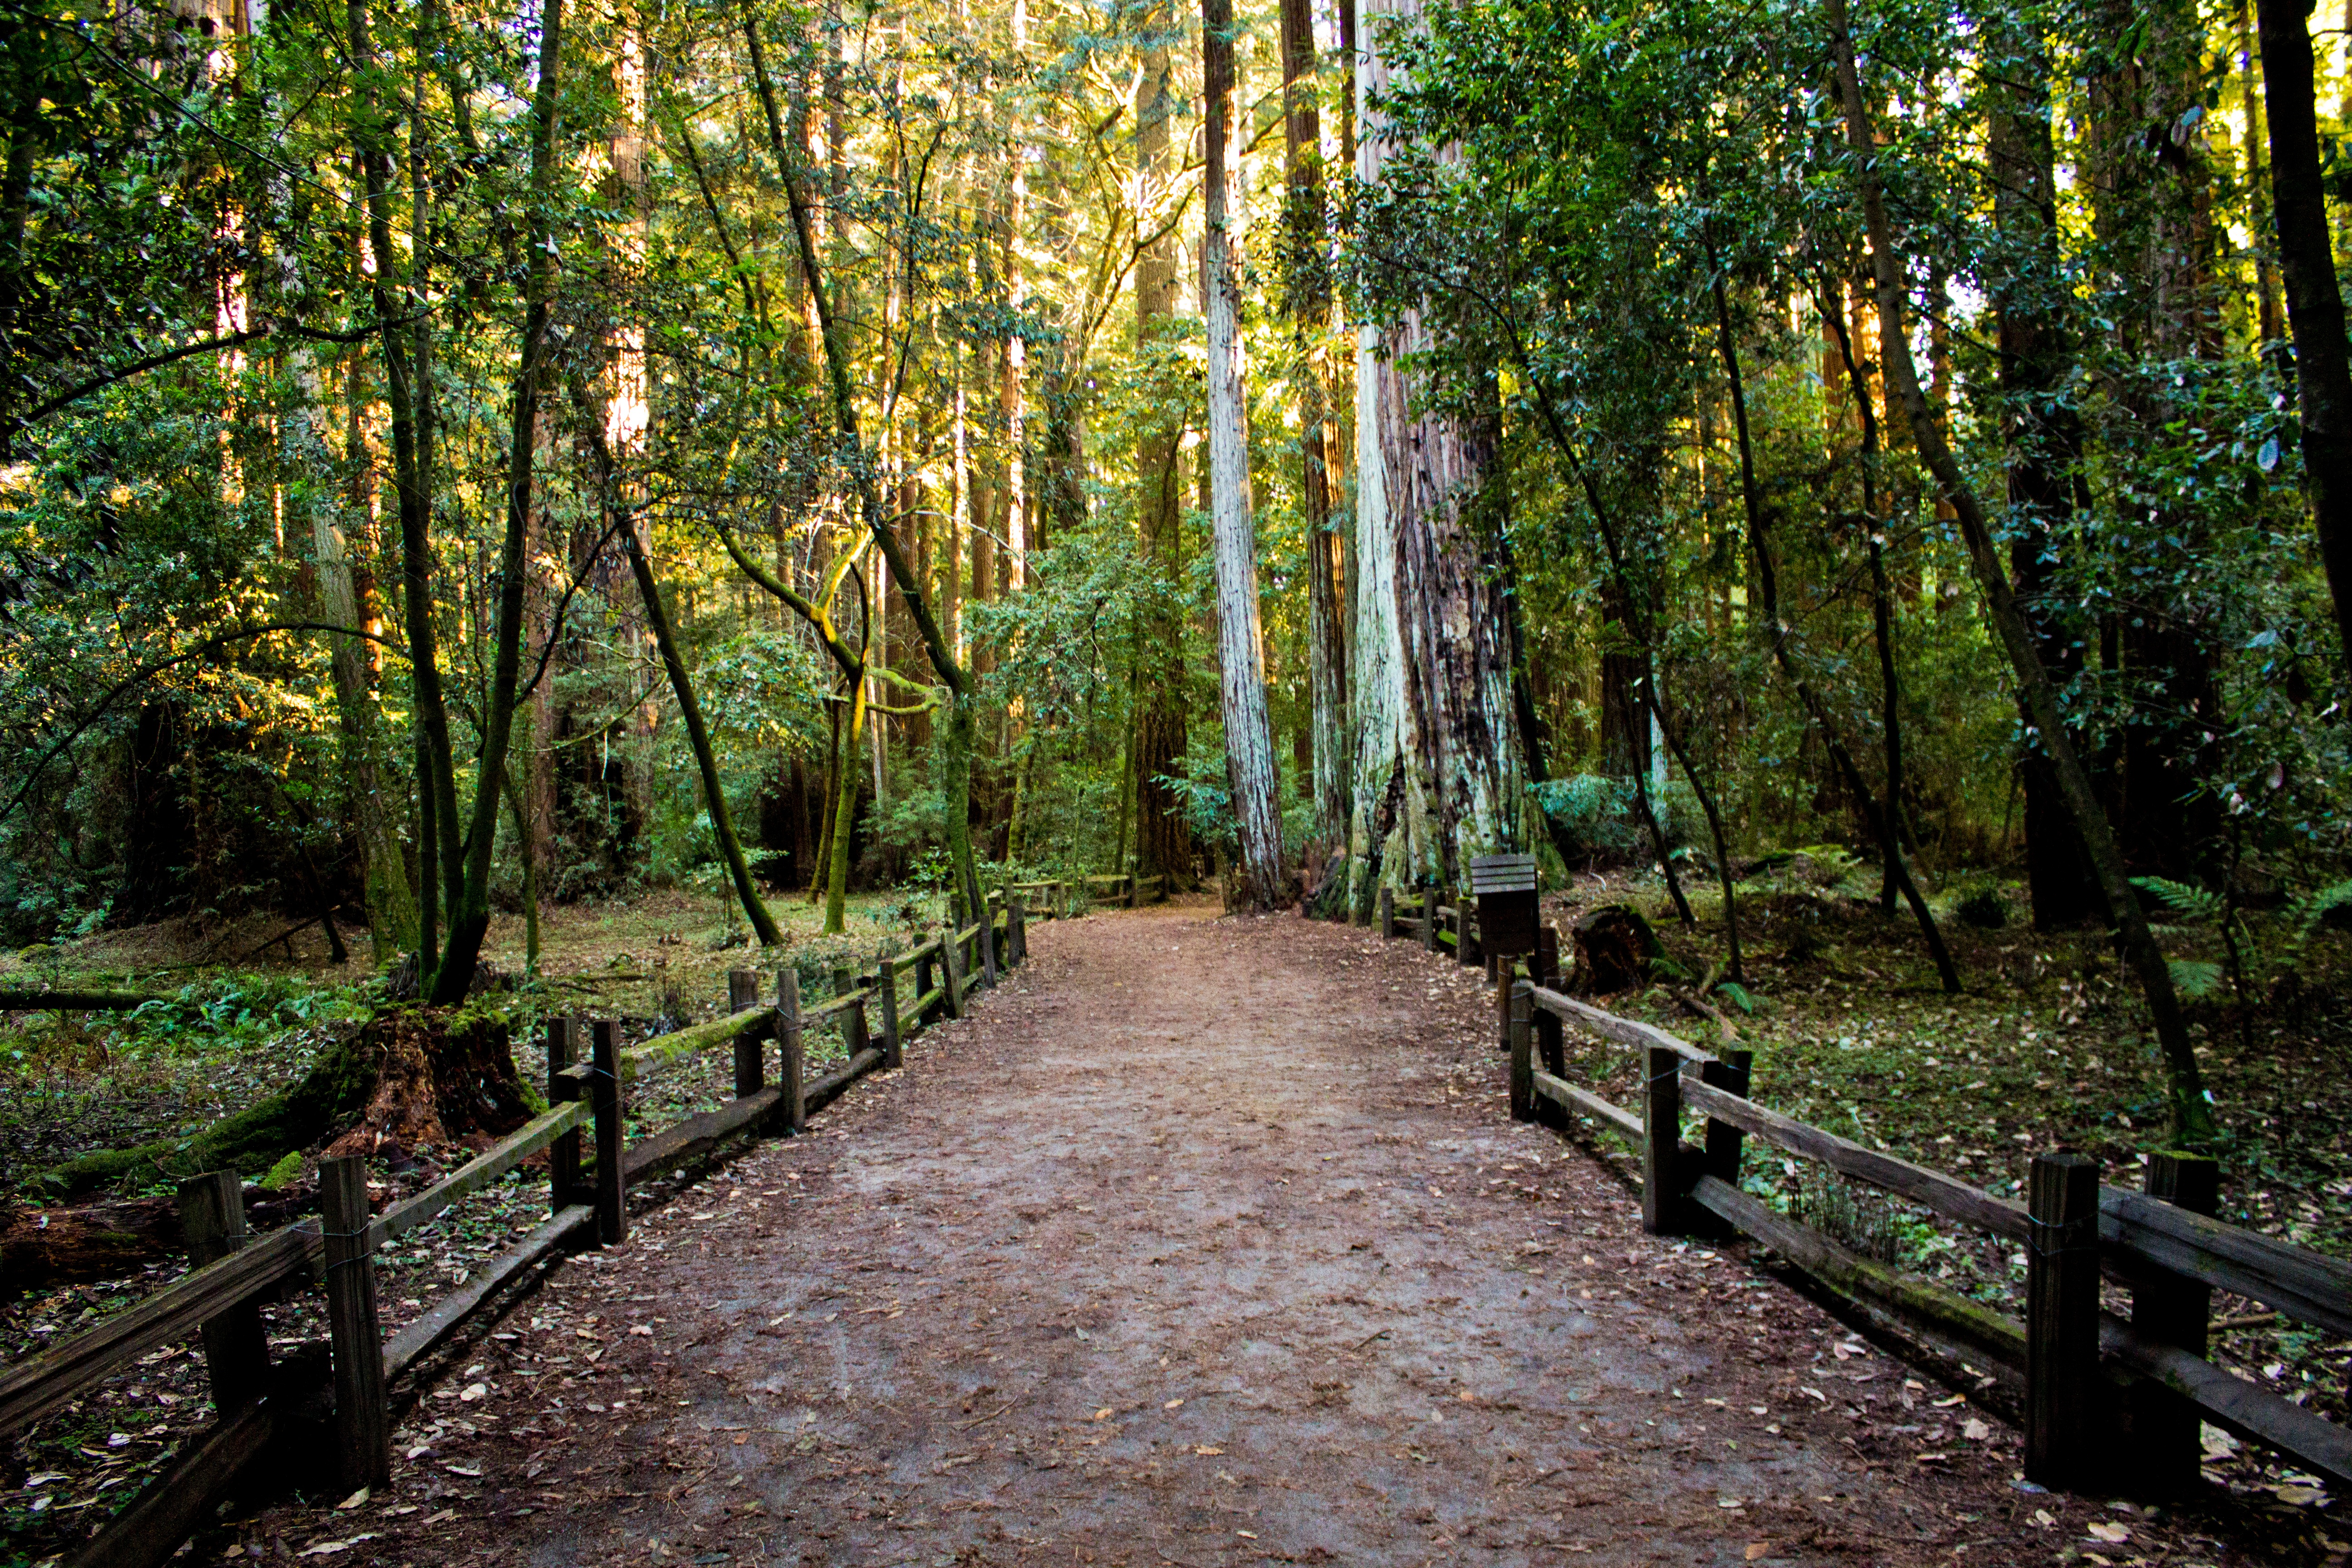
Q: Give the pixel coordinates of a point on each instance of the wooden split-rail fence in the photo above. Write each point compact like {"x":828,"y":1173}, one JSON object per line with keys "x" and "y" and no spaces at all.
{"x":290,"y":1406}
{"x":2107,"y":1399}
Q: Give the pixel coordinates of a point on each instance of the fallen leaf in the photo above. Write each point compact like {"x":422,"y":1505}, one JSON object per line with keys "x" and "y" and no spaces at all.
{"x":1814,"y":1394}
{"x":353,"y":1501}
{"x":646,"y":1330}
{"x":2043,"y":1518}
{"x":1756,"y":1549}
{"x":1102,"y":1414}
{"x":1172,"y":1404}
{"x":1207,"y":1449}
{"x":444,"y":1517}
{"x":2113,"y":1535}
{"x":1974,"y":1430}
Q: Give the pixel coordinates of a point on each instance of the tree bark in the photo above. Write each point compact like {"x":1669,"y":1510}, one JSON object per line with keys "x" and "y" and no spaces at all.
{"x":1249,"y":742}
{"x":470,"y":915}
{"x":2315,"y":301}
{"x":1163,"y":847}
{"x":1778,"y":631}
{"x":958,"y":742}
{"x":697,"y":735}
{"x":1309,"y":304}
{"x":2043,"y":436}
{"x":2192,"y":1115}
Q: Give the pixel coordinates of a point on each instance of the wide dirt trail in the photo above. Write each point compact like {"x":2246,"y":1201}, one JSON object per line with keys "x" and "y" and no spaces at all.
{"x":1205,"y":1242}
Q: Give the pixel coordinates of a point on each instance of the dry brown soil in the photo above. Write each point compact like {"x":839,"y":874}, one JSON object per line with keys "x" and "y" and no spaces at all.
{"x":1203,"y":1241}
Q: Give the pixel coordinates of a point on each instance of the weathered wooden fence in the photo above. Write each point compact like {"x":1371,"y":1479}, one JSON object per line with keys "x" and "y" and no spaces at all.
{"x":1124,"y":889}
{"x":346,"y":1402}
{"x":2106,"y":1398}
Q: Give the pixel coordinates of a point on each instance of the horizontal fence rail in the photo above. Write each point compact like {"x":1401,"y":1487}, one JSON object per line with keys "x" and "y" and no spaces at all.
{"x":2105,"y":1399}
{"x":589,"y":1172}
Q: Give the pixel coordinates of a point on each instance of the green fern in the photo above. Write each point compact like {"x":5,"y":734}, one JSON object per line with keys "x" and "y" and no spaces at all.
{"x":2194,"y":977}
{"x":2191,"y":904}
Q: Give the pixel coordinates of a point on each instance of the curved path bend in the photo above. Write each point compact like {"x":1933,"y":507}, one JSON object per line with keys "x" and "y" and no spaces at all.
{"x":1202,"y":1242}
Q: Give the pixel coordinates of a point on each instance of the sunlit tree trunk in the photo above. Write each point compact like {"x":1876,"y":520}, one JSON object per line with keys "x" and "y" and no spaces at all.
{"x":1383,"y":836}
{"x":1443,"y":527}
{"x":1309,"y":304}
{"x":1249,"y":742}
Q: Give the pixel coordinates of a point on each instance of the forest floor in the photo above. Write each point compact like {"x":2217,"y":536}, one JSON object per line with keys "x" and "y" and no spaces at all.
{"x":1203,"y":1241}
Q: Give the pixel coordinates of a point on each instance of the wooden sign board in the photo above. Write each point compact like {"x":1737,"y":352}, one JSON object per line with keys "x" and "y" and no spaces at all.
{"x":1504,"y":886}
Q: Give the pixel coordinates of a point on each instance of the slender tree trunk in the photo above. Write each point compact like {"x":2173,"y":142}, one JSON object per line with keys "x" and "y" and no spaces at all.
{"x":2044,"y":437}
{"x":1882,"y":605}
{"x":1309,"y":305}
{"x":2192,"y":1115}
{"x":2315,"y":301}
{"x":1777,"y":631}
{"x":470,"y":919}
{"x":698,"y":736}
{"x":1162,"y":845}
{"x":438,"y":842}
{"x":958,"y":742}
{"x":844,"y":813}
{"x":1249,"y":742}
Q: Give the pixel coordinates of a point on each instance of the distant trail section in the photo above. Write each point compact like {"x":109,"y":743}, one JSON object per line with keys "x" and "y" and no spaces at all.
{"x":1204,"y":1241}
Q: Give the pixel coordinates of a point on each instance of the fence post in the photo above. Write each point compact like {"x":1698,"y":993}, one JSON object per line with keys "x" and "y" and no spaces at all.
{"x":743,"y":994}
{"x":791,"y":1053}
{"x":1522,"y":1009}
{"x":1466,"y":948}
{"x":1545,"y":964}
{"x":1016,"y":926}
{"x":362,"y":1421}
{"x":926,"y":973}
{"x":952,"y":961}
{"x":237,"y":1347}
{"x":987,"y":945}
{"x":886,"y":991}
{"x":604,"y":1096}
{"x":1388,"y":912}
{"x":1662,"y":1130}
{"x":2171,"y":1310}
{"x":1730,"y":1074}
{"x":563,"y":1155}
{"x":2062,"y":1317}
{"x":1429,"y":903}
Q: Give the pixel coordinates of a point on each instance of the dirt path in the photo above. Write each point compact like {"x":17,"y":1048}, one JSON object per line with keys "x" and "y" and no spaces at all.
{"x":1203,"y":1242}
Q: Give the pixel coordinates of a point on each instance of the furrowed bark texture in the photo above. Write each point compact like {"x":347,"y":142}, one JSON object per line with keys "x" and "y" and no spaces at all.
{"x":1249,"y":742}
{"x":1453,"y":626}
{"x":1384,"y":843}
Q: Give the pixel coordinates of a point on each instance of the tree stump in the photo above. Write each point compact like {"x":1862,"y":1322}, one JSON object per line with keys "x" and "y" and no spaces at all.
{"x":440,"y":1077}
{"x":1613,"y":947}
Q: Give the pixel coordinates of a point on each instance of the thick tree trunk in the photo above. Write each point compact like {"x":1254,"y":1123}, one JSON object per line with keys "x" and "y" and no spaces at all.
{"x":1249,"y":740}
{"x":1431,"y":662}
{"x":2192,"y":1116}
{"x":2315,"y":301}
